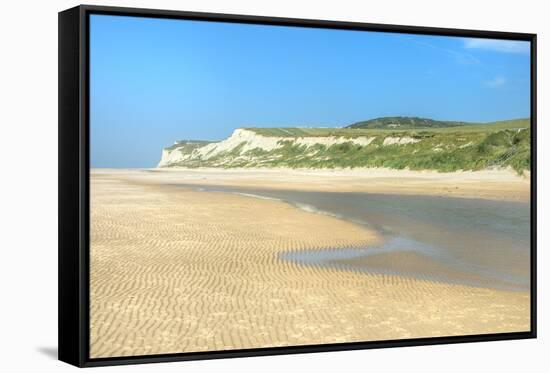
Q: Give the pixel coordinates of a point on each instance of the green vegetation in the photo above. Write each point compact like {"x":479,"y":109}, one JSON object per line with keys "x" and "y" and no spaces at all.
{"x":351,"y":132}
{"x":405,"y":123}
{"x":445,"y":149}
{"x":306,"y":132}
{"x":441,"y":152}
{"x":187,"y":146}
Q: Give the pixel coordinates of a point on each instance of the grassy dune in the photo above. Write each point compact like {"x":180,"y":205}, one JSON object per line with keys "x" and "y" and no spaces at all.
{"x":358,"y":132}
{"x":444,"y":149}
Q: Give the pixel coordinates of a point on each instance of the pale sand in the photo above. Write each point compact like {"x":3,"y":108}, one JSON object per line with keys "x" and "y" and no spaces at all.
{"x":175,"y":270}
{"x":490,"y":184}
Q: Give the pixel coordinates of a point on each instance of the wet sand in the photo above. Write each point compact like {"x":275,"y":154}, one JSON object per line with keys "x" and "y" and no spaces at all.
{"x":489,"y":184}
{"x":177,"y":270}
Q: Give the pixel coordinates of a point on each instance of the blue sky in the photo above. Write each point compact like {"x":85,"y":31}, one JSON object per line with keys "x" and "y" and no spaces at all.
{"x":155,"y":81}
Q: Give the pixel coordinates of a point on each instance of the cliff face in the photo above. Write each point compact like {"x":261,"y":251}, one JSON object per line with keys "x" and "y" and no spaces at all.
{"x":180,"y":152}
{"x":246,"y":146}
{"x":472,"y":147}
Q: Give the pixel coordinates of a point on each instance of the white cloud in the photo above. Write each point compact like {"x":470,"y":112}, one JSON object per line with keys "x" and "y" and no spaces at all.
{"x":459,"y":57}
{"x":495,"y":45}
{"x":498,"y":81}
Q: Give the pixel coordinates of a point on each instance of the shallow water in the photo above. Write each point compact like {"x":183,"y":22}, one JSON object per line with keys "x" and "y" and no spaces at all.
{"x":470,"y":241}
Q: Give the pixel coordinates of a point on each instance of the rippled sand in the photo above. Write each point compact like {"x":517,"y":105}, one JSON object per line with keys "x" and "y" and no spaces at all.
{"x":175,"y":270}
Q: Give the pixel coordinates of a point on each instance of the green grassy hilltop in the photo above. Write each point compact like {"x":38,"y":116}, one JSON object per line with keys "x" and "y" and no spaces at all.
{"x":396,"y":142}
{"x":406,"y":123}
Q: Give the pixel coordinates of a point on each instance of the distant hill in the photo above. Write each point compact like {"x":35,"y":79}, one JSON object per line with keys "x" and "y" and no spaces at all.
{"x":406,"y":123}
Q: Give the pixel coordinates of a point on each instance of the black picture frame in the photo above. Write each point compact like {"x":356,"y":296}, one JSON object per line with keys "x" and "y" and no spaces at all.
{"x":74,"y":165}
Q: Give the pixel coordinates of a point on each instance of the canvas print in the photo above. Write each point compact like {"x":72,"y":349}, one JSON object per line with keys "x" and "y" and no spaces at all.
{"x":258,"y":186}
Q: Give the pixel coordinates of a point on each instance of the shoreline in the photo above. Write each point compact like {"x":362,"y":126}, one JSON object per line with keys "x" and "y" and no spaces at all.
{"x":400,"y":233}
{"x":502,"y":184}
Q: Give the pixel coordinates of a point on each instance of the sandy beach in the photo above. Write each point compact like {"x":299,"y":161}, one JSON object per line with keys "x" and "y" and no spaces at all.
{"x":174,"y":269}
{"x":487,"y":184}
